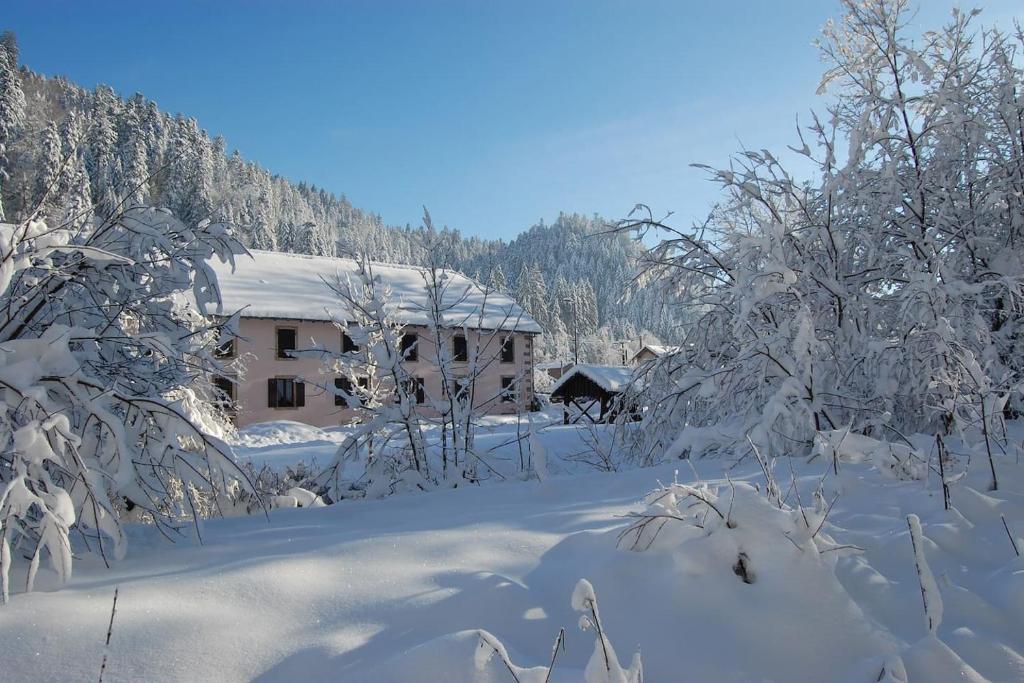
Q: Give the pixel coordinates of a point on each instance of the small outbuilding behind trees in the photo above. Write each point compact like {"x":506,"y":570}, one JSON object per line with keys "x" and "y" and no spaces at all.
{"x":585,"y":386}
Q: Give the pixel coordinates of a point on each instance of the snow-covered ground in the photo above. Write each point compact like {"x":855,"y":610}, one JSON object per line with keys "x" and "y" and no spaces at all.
{"x":502,"y":439}
{"x":391,"y":590}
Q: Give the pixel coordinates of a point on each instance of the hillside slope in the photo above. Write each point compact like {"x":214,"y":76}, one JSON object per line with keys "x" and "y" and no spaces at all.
{"x":69,"y":149}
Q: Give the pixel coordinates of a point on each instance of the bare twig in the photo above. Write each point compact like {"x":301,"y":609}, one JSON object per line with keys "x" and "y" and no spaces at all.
{"x":110,"y":631}
{"x":1012,"y":541}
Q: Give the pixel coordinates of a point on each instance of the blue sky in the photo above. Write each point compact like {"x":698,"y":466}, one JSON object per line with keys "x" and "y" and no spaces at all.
{"x":493,"y":114}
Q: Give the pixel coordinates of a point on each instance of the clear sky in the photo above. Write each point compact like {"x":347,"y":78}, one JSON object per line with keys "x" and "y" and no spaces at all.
{"x":493,"y":114}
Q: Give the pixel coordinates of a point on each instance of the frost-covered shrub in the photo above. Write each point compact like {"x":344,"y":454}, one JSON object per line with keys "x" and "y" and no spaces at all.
{"x":896,"y":459}
{"x":882,"y":295}
{"x":734,"y":526}
{"x":271,"y":484}
{"x":101,"y":328}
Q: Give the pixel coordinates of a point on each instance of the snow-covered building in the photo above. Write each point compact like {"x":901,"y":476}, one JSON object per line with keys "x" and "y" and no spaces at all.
{"x":649,"y":352}
{"x":586,"y":385}
{"x":287,"y":305}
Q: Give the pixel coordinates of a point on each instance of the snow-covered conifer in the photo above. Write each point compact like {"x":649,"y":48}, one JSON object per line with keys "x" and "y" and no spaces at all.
{"x":12,"y":104}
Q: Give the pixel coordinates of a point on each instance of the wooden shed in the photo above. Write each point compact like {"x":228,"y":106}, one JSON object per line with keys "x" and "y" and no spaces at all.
{"x":585,"y":386}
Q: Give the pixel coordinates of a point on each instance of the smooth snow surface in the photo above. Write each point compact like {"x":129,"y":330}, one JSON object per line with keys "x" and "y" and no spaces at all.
{"x":278,"y":285}
{"x":396,"y":590}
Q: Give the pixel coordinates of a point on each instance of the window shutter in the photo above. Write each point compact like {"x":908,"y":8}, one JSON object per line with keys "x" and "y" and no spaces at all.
{"x":271,"y":393}
{"x":300,"y":394}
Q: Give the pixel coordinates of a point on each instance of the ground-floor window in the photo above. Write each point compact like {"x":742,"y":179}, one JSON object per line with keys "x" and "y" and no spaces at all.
{"x":462,"y":389}
{"x":416,"y":389}
{"x":286,"y":392}
{"x":225,"y":391}
{"x":342,"y":384}
{"x":508,"y":390}
{"x":345,"y":384}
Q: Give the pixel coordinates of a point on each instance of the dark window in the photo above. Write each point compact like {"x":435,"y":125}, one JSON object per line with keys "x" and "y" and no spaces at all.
{"x":462,"y":389}
{"x":285,"y":392}
{"x":410,"y":347}
{"x":285,"y":341}
{"x":347,"y":345}
{"x":508,"y":389}
{"x":508,"y":350}
{"x":225,"y":390}
{"x":460,"y":349}
{"x":414,"y":387}
{"x":226,"y":350}
{"x":342,"y":384}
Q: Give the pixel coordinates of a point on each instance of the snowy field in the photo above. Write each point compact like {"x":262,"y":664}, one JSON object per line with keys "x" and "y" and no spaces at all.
{"x":393,"y":589}
{"x":503,"y":440}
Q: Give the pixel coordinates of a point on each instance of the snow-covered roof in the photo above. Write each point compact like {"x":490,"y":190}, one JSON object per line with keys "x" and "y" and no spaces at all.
{"x":612,"y":378}
{"x":551,"y":365}
{"x":291,"y":286}
{"x":657,"y":349}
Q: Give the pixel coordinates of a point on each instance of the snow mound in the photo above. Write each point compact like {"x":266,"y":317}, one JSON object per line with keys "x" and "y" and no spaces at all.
{"x":751,"y":585}
{"x":262,"y":434}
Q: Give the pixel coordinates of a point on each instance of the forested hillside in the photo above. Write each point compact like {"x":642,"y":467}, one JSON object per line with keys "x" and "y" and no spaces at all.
{"x":67,"y":152}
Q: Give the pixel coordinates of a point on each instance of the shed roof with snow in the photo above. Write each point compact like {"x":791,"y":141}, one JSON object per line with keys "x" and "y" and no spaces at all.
{"x":292,"y":286}
{"x":585,"y":385}
{"x":609,"y":379}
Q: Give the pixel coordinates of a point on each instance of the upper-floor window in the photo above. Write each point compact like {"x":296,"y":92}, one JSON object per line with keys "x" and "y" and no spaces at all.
{"x":226,"y":350}
{"x":410,"y":347}
{"x":508,"y":350}
{"x":286,"y":337}
{"x":285,"y":392}
{"x":460,"y":348}
{"x":347,"y":344}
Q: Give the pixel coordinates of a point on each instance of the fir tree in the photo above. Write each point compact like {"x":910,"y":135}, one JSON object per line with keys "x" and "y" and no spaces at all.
{"x":12,"y":104}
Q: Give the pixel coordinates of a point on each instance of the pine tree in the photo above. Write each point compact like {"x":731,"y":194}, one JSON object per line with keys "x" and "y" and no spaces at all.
{"x":134,"y":144}
{"x":12,"y":104}
{"x":586,"y":307}
{"x":262,"y":233}
{"x":191,"y":172}
{"x":496,"y":279}
{"x":101,"y":161}
{"x":49,"y":167}
{"x":531,"y":293}
{"x":75,"y":195}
